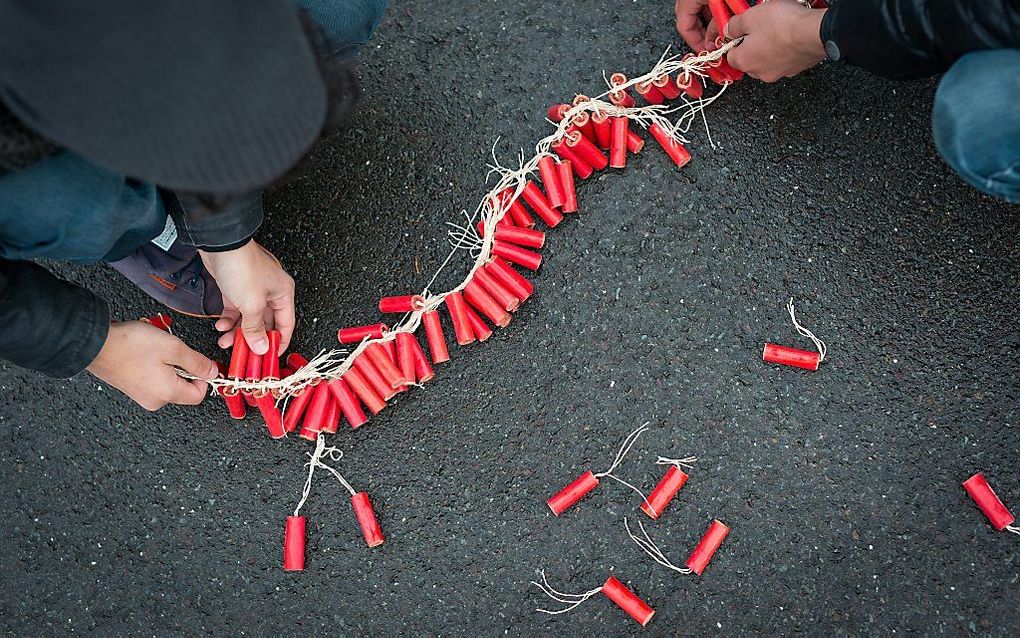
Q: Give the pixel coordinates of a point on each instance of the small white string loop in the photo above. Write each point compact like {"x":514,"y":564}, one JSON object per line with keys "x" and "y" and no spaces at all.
{"x":628,"y":443}
{"x":686,"y":462}
{"x":315,"y":461}
{"x":572,"y":600}
{"x":804,"y":332}
{"x":649,"y":547}
{"x":1014,"y":529}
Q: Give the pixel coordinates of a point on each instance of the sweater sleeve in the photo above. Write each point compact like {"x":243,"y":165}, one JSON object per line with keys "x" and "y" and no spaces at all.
{"x":905,"y":39}
{"x":49,"y":325}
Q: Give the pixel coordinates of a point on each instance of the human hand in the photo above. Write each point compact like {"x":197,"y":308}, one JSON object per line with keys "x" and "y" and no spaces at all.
{"x":139,"y":360}
{"x":256,"y":291}
{"x":781,"y":39}
{"x":695,"y":25}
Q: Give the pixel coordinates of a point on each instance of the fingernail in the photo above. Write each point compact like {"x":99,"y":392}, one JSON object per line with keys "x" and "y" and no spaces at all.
{"x":213,"y":372}
{"x":260,"y":347}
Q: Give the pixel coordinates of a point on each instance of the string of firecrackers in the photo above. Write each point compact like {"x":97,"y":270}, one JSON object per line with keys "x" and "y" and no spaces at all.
{"x":653,"y":506}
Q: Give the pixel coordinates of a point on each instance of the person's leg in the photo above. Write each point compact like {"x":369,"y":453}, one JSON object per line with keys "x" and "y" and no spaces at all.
{"x":976,"y":121}
{"x":64,"y":207}
{"x":347,"y":24}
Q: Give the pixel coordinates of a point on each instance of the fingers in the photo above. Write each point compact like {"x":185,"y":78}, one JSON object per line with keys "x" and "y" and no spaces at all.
{"x":228,"y":319}
{"x":187,"y":392}
{"x":284,"y":319}
{"x":711,"y":37}
{"x":736,"y":26}
{"x":194,"y":363}
{"x":688,"y":23}
{"x":253,"y":327}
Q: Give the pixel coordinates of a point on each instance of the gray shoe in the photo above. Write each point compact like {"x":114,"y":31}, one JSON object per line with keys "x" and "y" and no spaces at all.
{"x":175,"y":277}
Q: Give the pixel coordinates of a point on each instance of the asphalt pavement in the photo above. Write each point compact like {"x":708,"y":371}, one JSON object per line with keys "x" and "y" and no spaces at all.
{"x":841,"y":486}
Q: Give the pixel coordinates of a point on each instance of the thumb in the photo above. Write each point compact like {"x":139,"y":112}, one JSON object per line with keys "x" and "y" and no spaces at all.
{"x":254,"y":327}
{"x":736,"y":28}
{"x":195,"y":363}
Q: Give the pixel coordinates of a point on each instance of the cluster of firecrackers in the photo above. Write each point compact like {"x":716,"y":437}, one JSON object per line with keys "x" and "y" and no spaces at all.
{"x":653,"y":506}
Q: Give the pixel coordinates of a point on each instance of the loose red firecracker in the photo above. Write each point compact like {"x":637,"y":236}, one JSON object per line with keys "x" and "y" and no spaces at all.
{"x":510,"y":278}
{"x":667,"y":87}
{"x":710,"y":542}
{"x":690,"y":84}
{"x":538,"y":202}
{"x":364,"y":391}
{"x":363,"y":364}
{"x":587,"y":151}
{"x":627,"y":601}
{"x":664,"y":492}
{"x":600,"y":121}
{"x":791,"y":356}
{"x":238,"y":356}
{"x":675,"y":150}
{"x":159,"y":320}
{"x":649,"y":92}
{"x":405,"y":303}
{"x":405,"y":356}
{"x":436,"y":338}
{"x":478,"y":327}
{"x":294,"y":544}
{"x":566,"y":169}
{"x":356,"y":333}
{"x":516,"y":254}
{"x":366,"y":519}
{"x":458,"y":315}
{"x":989,"y":503}
{"x":350,"y":407}
{"x":581,"y":168}
{"x":498,"y":291}
{"x":551,"y":180}
{"x":578,"y":488}
{"x":476,"y":295}
{"x":620,"y":97}
{"x":618,"y":145}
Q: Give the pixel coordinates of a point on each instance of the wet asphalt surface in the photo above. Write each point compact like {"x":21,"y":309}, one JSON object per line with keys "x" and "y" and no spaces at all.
{"x":842,"y":486}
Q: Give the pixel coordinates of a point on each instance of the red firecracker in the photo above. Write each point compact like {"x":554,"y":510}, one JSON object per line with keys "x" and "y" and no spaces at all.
{"x":516,"y":254}
{"x":478,"y":327}
{"x":690,"y":84}
{"x":476,"y":295}
{"x":582,"y":124}
{"x":350,"y":407}
{"x":581,"y":168}
{"x":332,"y":421}
{"x":235,"y":402}
{"x":667,"y":87}
{"x":566,"y":169}
{"x":406,"y":303}
{"x":516,"y":212}
{"x":379,"y":384}
{"x":499,"y":292}
{"x":627,"y":601}
{"x":510,"y":278}
{"x":737,"y":7}
{"x":238,"y":356}
{"x":538,"y":202}
{"x":364,"y":391}
{"x":648,"y":91}
{"x":271,"y":360}
{"x":710,"y":542}
{"x":634,"y":143}
{"x":664,"y":492}
{"x":989,"y":503}
{"x":356,"y":333}
{"x":618,"y":144}
{"x":384,"y":363}
{"x":586,"y":150}
{"x":528,"y":237}
{"x":436,"y":338}
{"x":720,"y":13}
{"x":620,"y":97}
{"x":791,"y":356}
{"x":578,"y":489}
{"x":266,"y":403}
{"x":159,"y":320}
{"x":557,"y":112}
{"x":551,"y":181}
{"x":600,"y":121}
{"x":675,"y":150}
{"x":317,"y":414}
{"x":294,"y":544}
{"x":405,"y":356}
{"x":458,"y":315}
{"x":366,"y":519}
{"x":422,"y":368}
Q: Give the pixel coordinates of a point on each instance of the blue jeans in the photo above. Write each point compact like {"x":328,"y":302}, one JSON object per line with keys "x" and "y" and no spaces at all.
{"x":976,"y":121}
{"x":66,"y":208}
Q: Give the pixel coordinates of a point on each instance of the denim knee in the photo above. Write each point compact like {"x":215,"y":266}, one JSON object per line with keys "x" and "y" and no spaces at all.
{"x":346,"y":24}
{"x":976,"y":121}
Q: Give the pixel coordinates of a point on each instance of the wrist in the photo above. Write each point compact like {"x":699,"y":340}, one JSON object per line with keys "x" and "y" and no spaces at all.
{"x":809,"y":33}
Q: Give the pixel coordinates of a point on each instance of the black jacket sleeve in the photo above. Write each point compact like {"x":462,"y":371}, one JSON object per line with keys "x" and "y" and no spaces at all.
{"x":212,"y":224}
{"x":49,"y":325}
{"x":904,"y":39}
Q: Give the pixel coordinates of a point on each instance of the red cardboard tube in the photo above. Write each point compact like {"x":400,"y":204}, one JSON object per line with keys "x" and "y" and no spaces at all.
{"x":332,"y":421}
{"x":475,"y":295}
{"x":560,"y":501}
{"x":620,"y":97}
{"x":266,"y":403}
{"x":364,"y":391}
{"x":728,"y":70}
{"x":628,"y":601}
{"x":667,"y":87}
{"x":235,"y":402}
{"x":363,"y":364}
{"x":356,"y":333}
{"x":581,"y":168}
{"x":382,"y":361}
{"x":566,"y":169}
{"x":541,"y":205}
{"x":582,"y":124}
{"x":989,"y":503}
{"x":307,"y":434}
{"x":516,"y":212}
{"x":238,"y":356}
{"x":517,"y":255}
{"x":434,"y":335}
{"x":586,"y":150}
{"x":551,"y":180}
{"x":618,"y":144}
{"x":159,"y":320}
{"x":717,"y":75}
{"x":271,"y":360}
{"x":422,"y":368}
{"x":650,"y":93}
{"x":253,"y":371}
{"x":674,"y":149}
{"x":294,"y":544}
{"x":634,"y":143}
{"x":478,"y":327}
{"x":710,"y":542}
{"x":600,"y":121}
{"x":510,"y":278}
{"x":664,"y":491}
{"x":366,"y":519}
{"x":405,"y":355}
{"x":737,"y":7}
{"x":503,"y":297}
{"x":690,"y":84}
{"x":791,"y":356}
{"x":295,"y":361}
{"x":405,"y":303}
{"x":458,"y":315}
{"x":720,"y":13}
{"x":349,"y":405}
{"x":528,"y":237}
{"x":296,"y":408}
{"x":557,"y":111}
{"x":317,"y":412}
